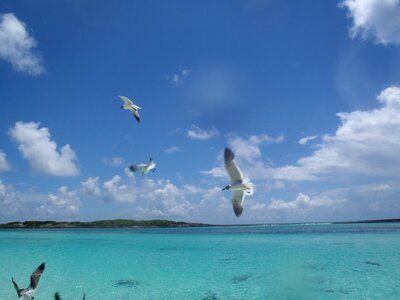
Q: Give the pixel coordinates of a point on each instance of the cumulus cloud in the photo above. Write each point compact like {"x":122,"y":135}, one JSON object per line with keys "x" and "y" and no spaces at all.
{"x":40,"y":151}
{"x":10,"y":203}
{"x":4,"y":165}
{"x":248,"y":149}
{"x":379,"y":19}
{"x":172,"y":149}
{"x":91,"y":186}
{"x":248,"y":154}
{"x":365,"y":143}
{"x":64,"y":202}
{"x":16,"y":45}
{"x":158,"y":198}
{"x":305,"y":140}
{"x":119,"y":192}
{"x":196,"y":133}
{"x":114,"y":161}
{"x":303,"y":202}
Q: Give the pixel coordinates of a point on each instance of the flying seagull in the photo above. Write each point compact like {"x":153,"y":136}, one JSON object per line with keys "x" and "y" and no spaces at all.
{"x":144,"y":168}
{"x":27,"y":294}
{"x":58,"y":297}
{"x":128,"y":104}
{"x":239,"y":186}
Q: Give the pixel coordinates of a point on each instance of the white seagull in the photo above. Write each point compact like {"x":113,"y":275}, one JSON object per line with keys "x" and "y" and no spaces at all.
{"x":27,"y":294}
{"x":144,"y":168}
{"x":239,"y":186}
{"x":128,"y":104}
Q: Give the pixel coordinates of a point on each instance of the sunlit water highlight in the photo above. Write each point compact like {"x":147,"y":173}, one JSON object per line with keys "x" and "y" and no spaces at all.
{"x":360,"y":261}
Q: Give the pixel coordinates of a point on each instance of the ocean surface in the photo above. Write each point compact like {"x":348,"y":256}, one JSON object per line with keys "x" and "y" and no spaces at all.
{"x":314,"y":261}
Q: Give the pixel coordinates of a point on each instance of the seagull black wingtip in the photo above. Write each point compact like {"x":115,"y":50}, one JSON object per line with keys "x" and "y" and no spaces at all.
{"x":42,"y":266}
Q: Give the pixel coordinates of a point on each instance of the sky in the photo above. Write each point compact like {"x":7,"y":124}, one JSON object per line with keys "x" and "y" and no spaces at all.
{"x":306,"y":93}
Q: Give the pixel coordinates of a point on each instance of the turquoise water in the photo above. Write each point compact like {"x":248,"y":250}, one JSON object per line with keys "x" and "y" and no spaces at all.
{"x":251,"y":262}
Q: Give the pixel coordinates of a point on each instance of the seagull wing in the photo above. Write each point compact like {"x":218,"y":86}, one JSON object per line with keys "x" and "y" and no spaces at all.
{"x":231,"y":167}
{"x":126,"y":100}
{"x":57,"y":296}
{"x":84,"y":296}
{"x":136,"y":114}
{"x":36,"y":276}
{"x":237,"y":201}
{"x":138,"y":168}
{"x":17,"y":288}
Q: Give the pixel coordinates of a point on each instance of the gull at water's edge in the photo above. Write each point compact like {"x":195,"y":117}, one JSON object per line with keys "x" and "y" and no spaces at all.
{"x":27,"y":293}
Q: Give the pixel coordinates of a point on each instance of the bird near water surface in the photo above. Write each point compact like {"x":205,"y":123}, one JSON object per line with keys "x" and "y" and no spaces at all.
{"x":28,"y":293}
{"x":239,"y":185}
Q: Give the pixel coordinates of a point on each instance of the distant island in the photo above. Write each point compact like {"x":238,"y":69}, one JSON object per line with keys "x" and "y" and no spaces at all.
{"x":370,"y":221}
{"x":117,"y":223}
{"x":127,"y":223}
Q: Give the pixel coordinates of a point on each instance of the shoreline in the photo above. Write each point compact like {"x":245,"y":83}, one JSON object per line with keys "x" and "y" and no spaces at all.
{"x":127,"y":224}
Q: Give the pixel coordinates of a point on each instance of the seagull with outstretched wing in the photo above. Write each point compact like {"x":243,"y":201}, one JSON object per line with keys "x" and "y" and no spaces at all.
{"x":27,"y":293}
{"x":144,"y":168}
{"x":129,"y":105}
{"x":240,"y":186}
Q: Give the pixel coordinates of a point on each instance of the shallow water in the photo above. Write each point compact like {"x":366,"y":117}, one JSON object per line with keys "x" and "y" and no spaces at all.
{"x":357,"y":261}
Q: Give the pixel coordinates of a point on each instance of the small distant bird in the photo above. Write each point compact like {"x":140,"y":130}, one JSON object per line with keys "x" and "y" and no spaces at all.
{"x":240,"y":186}
{"x":57,"y":296}
{"x":144,"y":168}
{"x":27,"y":294}
{"x":128,"y":104}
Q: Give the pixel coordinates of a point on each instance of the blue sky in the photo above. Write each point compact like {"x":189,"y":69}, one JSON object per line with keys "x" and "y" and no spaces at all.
{"x":307,"y":94}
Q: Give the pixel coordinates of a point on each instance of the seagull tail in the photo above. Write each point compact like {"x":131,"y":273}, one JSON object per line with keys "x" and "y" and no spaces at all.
{"x":249,"y":187}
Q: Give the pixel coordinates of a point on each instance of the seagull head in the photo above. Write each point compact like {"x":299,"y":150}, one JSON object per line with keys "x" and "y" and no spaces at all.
{"x":226,"y":188}
{"x":122,"y":107}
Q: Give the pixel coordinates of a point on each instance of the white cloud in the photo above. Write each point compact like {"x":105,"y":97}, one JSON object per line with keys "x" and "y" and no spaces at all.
{"x":248,"y":149}
{"x":257,"y":206}
{"x":117,"y":192}
{"x":10,"y":203}
{"x":365,"y":143}
{"x":196,"y":133}
{"x":91,"y":186}
{"x":379,"y":19}
{"x":16,"y":45}
{"x":172,"y":149}
{"x":179,"y":77}
{"x":114,"y":161}
{"x":249,"y":156}
{"x":305,"y":140}
{"x":64,"y":202}
{"x":159,"y":198}
{"x":4,"y":165}
{"x":304,"y":202}
{"x":41,"y":152}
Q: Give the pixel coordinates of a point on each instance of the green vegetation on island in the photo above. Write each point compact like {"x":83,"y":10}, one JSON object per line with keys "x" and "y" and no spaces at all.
{"x":118,"y":223}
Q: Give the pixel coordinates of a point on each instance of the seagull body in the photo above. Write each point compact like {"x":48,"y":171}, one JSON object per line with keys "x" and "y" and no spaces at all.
{"x":144,"y":168}
{"x":128,"y":104}
{"x":27,"y":293}
{"x":240,"y":186}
